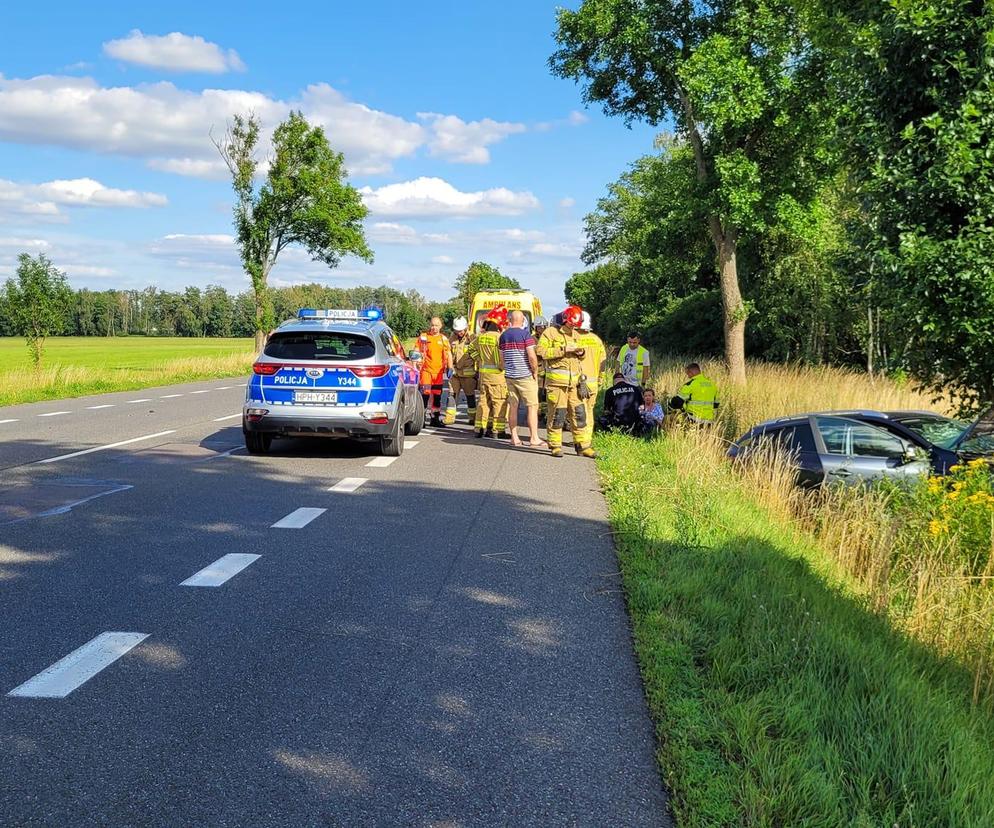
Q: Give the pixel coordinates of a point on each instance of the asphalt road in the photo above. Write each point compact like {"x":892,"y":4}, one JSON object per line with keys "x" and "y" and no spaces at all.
{"x":441,"y":642}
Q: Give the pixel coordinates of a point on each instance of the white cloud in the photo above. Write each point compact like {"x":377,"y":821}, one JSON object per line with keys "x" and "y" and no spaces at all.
{"x":465,"y":142}
{"x":567,"y":202}
{"x":169,"y":128}
{"x":445,"y":260}
{"x":23,"y":245}
{"x":85,"y":192}
{"x":577,"y":118}
{"x":175,"y":51}
{"x":574,"y":119}
{"x":87,"y":270}
{"x":388,"y":232}
{"x":42,"y":201}
{"x":435,"y":197}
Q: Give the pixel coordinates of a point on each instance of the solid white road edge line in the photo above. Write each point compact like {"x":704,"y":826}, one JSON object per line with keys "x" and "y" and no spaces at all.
{"x":54,"y":413}
{"x":59,"y":680}
{"x":298,"y":518}
{"x":224,"y":568}
{"x":98,"y":407}
{"x":381,"y":462}
{"x":228,"y":417}
{"x":348,"y":484}
{"x":108,"y":446}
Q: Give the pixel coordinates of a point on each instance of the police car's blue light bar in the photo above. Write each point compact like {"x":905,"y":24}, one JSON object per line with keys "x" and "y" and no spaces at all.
{"x":368,"y":314}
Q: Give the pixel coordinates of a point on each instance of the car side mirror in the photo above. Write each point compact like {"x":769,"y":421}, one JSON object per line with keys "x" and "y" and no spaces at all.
{"x":912,"y":453}
{"x":414,"y":355}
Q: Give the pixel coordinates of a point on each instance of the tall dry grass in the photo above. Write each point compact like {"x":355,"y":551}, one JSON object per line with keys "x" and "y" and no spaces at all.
{"x":921,"y":557}
{"x":20,"y":385}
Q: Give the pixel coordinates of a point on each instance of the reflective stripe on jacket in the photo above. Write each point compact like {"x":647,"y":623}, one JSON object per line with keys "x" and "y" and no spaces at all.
{"x":485,"y":351}
{"x":594,"y":354}
{"x":700,"y":397}
{"x":560,"y":369}
{"x":462,"y":361}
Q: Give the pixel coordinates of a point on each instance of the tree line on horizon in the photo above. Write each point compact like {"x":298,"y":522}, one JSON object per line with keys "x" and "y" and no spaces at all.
{"x":39,"y":302}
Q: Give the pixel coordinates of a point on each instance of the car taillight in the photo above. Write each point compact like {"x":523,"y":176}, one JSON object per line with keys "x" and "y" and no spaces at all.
{"x":267,"y":369}
{"x":369,"y":370}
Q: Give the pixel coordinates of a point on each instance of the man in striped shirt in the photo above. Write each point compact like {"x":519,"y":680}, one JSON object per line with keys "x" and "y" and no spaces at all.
{"x":517,"y":350}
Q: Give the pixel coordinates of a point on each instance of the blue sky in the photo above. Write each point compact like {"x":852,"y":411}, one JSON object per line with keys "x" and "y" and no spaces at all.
{"x":464,"y":145}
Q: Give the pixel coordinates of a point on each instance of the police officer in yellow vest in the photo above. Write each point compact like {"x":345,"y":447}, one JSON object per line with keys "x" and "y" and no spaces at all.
{"x":633,"y":360}
{"x":698,"y":398}
{"x":463,"y":372}
{"x":565,"y":392}
{"x":592,"y":364}
{"x":491,"y":407}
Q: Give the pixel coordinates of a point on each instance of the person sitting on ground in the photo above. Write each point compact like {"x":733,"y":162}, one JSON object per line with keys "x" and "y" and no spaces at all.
{"x":621,"y":405}
{"x":651,"y":413}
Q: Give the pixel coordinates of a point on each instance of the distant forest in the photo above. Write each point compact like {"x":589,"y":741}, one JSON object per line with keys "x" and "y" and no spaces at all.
{"x":214,"y":312}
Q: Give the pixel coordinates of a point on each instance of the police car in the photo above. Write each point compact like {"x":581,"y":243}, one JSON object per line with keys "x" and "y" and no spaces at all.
{"x":333,"y":373}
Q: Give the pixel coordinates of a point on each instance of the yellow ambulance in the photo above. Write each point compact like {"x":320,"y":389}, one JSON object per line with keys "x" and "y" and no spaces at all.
{"x":486,"y":300}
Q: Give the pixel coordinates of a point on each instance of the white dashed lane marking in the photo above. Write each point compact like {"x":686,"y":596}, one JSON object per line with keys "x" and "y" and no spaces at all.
{"x":409,"y":444}
{"x":8,"y":421}
{"x":108,"y":446}
{"x":227,"y":417}
{"x":59,"y":680}
{"x":98,"y":407}
{"x":348,"y":484}
{"x":54,"y":413}
{"x":221,"y":570}
{"x":381,"y":462}
{"x":132,"y":402}
{"x":169,"y":396}
{"x":298,"y":518}
{"x":204,"y":391}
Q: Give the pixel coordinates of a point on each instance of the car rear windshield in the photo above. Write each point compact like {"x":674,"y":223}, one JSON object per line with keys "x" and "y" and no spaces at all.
{"x":327,"y":346}
{"x":939,"y":431}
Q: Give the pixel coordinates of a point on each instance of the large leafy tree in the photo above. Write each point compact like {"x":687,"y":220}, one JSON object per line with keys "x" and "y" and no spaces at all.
{"x":303,"y":200}
{"x":480,"y":276}
{"x":741,"y":85}
{"x":37,"y":302}
{"x":915,"y":79}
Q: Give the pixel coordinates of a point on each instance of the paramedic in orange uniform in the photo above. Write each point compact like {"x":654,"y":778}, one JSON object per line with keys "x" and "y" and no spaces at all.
{"x":436,"y":360}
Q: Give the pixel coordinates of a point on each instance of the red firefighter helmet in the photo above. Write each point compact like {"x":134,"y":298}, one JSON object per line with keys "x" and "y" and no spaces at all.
{"x":498,"y":315}
{"x":573,"y":316}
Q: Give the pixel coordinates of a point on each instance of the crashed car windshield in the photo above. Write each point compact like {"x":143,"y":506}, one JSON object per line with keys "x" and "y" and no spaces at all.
{"x":937,"y":430}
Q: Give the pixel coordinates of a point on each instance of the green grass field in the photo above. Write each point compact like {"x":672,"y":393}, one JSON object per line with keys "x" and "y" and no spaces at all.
{"x":75,"y":366}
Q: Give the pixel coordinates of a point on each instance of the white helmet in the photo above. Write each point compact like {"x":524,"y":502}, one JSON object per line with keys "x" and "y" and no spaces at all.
{"x":585,"y":325}
{"x":459,"y":324}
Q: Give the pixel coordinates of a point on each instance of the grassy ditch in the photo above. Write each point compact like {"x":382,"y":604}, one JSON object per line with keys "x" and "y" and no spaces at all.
{"x":77,"y":366}
{"x":781,"y":694}
{"x":809,"y":659}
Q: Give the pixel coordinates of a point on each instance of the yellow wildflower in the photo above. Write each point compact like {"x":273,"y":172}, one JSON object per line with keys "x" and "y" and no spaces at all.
{"x":976,"y":464}
{"x":952,"y":495}
{"x":937,"y":527}
{"x":958,"y":486}
{"x":956,"y":468}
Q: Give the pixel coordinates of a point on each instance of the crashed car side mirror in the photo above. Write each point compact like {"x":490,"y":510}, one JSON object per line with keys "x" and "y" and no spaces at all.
{"x":414,"y":356}
{"x":912,"y":453}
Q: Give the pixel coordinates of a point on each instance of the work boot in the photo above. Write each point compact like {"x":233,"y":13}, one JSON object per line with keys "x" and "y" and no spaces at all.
{"x":488,"y":433}
{"x":503,"y":435}
{"x":435,"y":420}
{"x":556,"y":452}
{"x":588,"y":452}
{"x":479,"y":434}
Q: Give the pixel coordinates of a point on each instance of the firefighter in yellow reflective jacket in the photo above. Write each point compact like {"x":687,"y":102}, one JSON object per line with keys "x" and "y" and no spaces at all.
{"x":491,"y":406}
{"x":698,"y":398}
{"x":592,"y":364}
{"x":562,"y":352}
{"x":463,"y":372}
